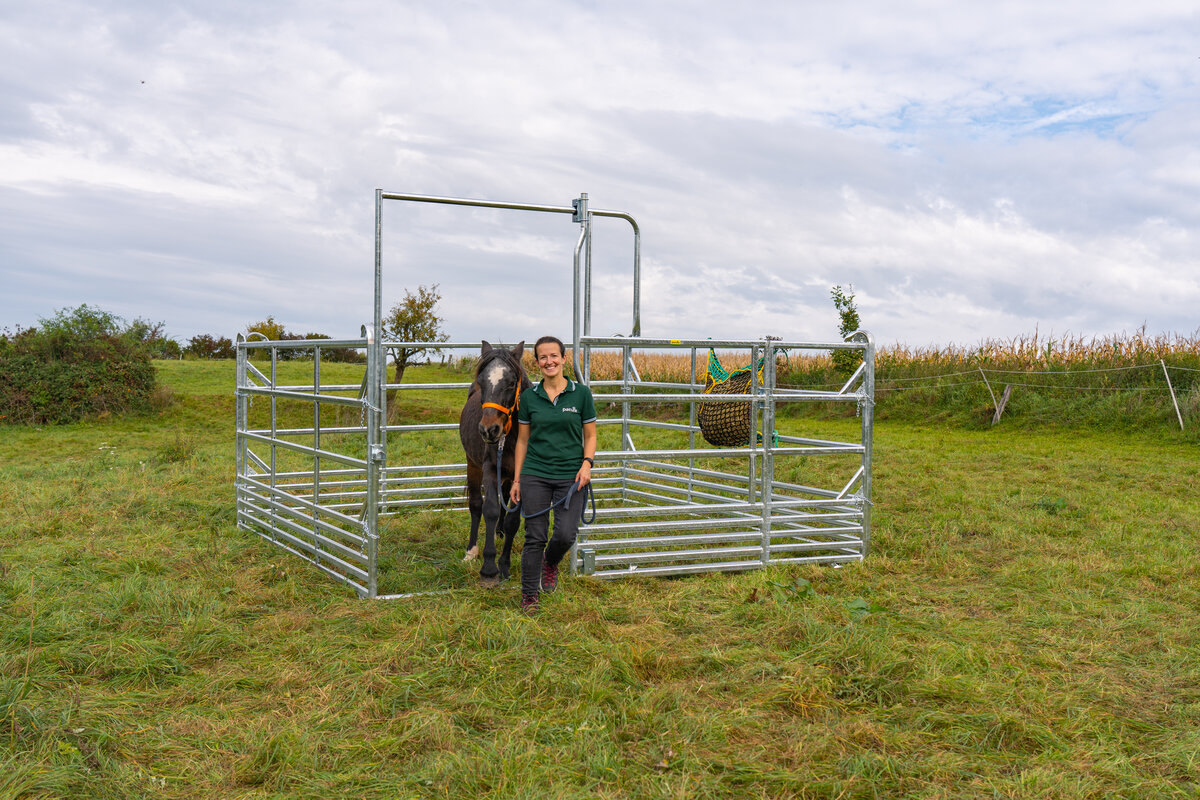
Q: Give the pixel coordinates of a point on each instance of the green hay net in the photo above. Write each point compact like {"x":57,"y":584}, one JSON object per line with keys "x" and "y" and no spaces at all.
{"x":727,"y":424}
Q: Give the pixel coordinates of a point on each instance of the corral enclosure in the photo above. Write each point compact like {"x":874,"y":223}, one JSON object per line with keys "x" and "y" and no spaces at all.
{"x":321,"y":465}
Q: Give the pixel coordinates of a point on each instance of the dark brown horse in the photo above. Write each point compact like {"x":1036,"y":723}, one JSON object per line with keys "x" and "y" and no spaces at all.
{"x":487,"y":427}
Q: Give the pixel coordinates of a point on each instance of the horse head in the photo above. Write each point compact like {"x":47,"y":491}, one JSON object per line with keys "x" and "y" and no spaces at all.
{"x":500,"y":378}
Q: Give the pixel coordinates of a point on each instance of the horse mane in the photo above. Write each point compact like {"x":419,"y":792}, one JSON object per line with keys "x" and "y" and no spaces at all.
{"x":509,"y":358}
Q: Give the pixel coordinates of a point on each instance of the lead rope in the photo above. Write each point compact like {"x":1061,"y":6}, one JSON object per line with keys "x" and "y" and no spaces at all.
{"x":564,"y":502}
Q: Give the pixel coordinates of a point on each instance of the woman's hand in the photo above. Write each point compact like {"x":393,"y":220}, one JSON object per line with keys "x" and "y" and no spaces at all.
{"x":584,"y":476}
{"x":514,"y":494}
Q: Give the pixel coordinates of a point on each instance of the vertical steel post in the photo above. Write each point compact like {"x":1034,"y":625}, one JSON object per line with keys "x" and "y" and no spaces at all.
{"x":376,"y":457}
{"x":691,"y":475}
{"x":583,"y":217}
{"x":243,"y":405}
{"x":867,"y":411}
{"x":754,"y":409}
{"x":316,"y":490}
{"x":768,"y":446}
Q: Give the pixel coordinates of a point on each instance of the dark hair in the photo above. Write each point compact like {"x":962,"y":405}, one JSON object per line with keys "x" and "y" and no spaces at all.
{"x":562,"y":350}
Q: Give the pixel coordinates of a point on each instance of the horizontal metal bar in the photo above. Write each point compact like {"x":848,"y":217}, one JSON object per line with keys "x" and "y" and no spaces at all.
{"x":255,"y":527}
{"x":296,"y":501}
{"x":409,"y":595}
{"x":325,"y":431}
{"x":432,"y":426}
{"x":332,"y":399}
{"x":300,"y":344}
{"x":795,"y":547}
{"x":598,"y":530}
{"x":690,"y":540}
{"x":309,"y":451}
{"x":299,"y":537}
{"x":650,"y":557}
{"x":619,"y":342}
{"x":670,"y":426}
{"x":426,"y":387}
{"x":462,"y":201}
{"x":827,"y":559}
{"x":687,"y":569}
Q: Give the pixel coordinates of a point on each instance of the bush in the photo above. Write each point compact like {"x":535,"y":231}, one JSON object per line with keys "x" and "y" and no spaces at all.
{"x":80,"y":363}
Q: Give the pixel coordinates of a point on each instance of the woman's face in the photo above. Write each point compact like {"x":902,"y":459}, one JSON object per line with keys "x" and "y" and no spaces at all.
{"x":549,"y":359}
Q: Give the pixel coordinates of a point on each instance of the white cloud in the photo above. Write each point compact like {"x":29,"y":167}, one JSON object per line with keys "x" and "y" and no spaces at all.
{"x":1008,"y":166}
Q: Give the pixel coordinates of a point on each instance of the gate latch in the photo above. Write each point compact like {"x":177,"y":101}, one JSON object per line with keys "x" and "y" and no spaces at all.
{"x":378,"y":453}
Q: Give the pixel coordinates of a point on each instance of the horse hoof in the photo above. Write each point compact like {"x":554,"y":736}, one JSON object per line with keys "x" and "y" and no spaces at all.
{"x":472,"y":554}
{"x":490,"y":583}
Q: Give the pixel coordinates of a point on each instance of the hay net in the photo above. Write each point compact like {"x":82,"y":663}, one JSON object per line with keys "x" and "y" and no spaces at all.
{"x":727,"y":424}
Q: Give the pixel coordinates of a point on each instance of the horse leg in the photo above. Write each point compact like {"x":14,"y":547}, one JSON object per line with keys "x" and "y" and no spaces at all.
{"x":475,"y":504}
{"x":489,"y":575}
{"x":510,"y":524}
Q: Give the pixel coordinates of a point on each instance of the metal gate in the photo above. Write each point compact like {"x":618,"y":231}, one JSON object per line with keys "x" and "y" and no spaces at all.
{"x":666,"y":503}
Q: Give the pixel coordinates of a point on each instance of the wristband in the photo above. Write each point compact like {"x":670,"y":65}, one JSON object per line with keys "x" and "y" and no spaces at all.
{"x":591,"y":461}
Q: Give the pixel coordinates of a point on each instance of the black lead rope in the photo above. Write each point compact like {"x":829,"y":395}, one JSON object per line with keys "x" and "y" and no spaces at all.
{"x":564,"y":502}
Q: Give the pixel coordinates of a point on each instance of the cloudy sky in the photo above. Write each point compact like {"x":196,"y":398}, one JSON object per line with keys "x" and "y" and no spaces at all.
{"x":974,"y":170}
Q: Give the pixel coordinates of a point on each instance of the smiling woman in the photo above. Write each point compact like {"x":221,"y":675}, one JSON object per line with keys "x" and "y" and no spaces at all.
{"x":556,"y":449}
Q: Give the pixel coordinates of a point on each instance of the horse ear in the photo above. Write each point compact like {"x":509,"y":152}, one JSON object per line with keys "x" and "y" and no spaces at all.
{"x":519,"y":350}
{"x":486,"y":348}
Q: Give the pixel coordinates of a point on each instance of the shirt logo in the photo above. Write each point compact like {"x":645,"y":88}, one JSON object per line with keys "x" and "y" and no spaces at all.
{"x":571,"y":410}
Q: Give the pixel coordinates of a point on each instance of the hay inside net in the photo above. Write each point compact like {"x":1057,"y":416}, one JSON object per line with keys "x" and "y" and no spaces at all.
{"x":727,"y":424}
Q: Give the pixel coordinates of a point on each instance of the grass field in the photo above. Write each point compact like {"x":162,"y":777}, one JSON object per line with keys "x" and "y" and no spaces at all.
{"x":1024,"y":628}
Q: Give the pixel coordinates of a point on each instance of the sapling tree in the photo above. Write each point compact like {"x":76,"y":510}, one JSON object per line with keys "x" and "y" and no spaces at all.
{"x":414,"y":319}
{"x":845,"y":361}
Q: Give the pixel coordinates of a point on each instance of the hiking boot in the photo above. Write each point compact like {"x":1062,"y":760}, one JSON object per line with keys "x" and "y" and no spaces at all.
{"x":529,"y":604}
{"x":549,"y":577}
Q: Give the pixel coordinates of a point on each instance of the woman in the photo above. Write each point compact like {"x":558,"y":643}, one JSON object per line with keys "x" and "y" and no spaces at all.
{"x":556,"y":448}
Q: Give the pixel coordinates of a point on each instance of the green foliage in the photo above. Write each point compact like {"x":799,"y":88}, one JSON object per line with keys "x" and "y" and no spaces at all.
{"x":80,"y":363}
{"x":206,"y":346}
{"x":275,"y":331}
{"x":986,"y":647}
{"x":414,"y":319}
{"x":151,"y":336}
{"x":1115,"y":383}
{"x":269,"y":328}
{"x":845,"y":361}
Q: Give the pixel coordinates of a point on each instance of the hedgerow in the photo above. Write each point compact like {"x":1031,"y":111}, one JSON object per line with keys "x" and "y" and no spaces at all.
{"x":81,"y":363}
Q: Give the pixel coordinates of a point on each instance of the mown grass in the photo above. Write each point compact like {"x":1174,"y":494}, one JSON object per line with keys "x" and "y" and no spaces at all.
{"x":1023,"y":628}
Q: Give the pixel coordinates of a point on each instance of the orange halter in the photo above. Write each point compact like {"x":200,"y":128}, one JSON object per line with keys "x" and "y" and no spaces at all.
{"x":509,"y":412}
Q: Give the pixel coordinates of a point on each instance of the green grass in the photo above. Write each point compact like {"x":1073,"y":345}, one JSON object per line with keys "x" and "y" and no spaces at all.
{"x":1025,"y":628}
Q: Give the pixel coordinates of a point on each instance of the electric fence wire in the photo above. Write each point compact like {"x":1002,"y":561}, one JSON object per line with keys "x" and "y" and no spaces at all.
{"x":883,"y":379}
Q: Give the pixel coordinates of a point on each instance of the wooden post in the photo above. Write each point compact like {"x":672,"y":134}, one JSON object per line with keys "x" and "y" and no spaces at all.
{"x":1007,"y":393}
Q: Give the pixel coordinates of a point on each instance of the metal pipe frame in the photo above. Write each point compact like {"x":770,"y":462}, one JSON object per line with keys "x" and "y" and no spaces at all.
{"x":661,"y":510}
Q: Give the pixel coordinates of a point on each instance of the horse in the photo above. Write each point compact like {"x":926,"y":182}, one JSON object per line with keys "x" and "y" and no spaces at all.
{"x":487,"y":426}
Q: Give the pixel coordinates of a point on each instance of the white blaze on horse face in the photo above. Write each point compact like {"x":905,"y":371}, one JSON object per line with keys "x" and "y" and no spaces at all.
{"x":495,"y":375}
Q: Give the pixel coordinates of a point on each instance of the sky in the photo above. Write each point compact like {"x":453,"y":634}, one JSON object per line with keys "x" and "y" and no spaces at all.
{"x":974,"y":171}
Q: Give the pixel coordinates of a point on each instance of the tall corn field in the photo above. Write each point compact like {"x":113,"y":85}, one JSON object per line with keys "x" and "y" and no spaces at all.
{"x":1108,"y":380}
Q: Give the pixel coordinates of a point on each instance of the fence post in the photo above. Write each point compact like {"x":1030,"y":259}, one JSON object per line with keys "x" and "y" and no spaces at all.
{"x":988,"y":384}
{"x":1007,"y":393}
{"x":1172,"y":389}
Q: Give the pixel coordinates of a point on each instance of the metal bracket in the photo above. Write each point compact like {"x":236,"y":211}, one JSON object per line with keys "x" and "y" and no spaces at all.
{"x":580,"y":204}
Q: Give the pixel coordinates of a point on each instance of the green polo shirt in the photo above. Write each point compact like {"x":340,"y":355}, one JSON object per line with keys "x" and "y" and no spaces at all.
{"x":556,"y":429}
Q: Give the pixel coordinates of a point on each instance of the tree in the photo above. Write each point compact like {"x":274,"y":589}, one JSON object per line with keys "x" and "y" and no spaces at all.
{"x":206,"y":346}
{"x":845,"y":361}
{"x":413,"y":320}
{"x":152,"y":336}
